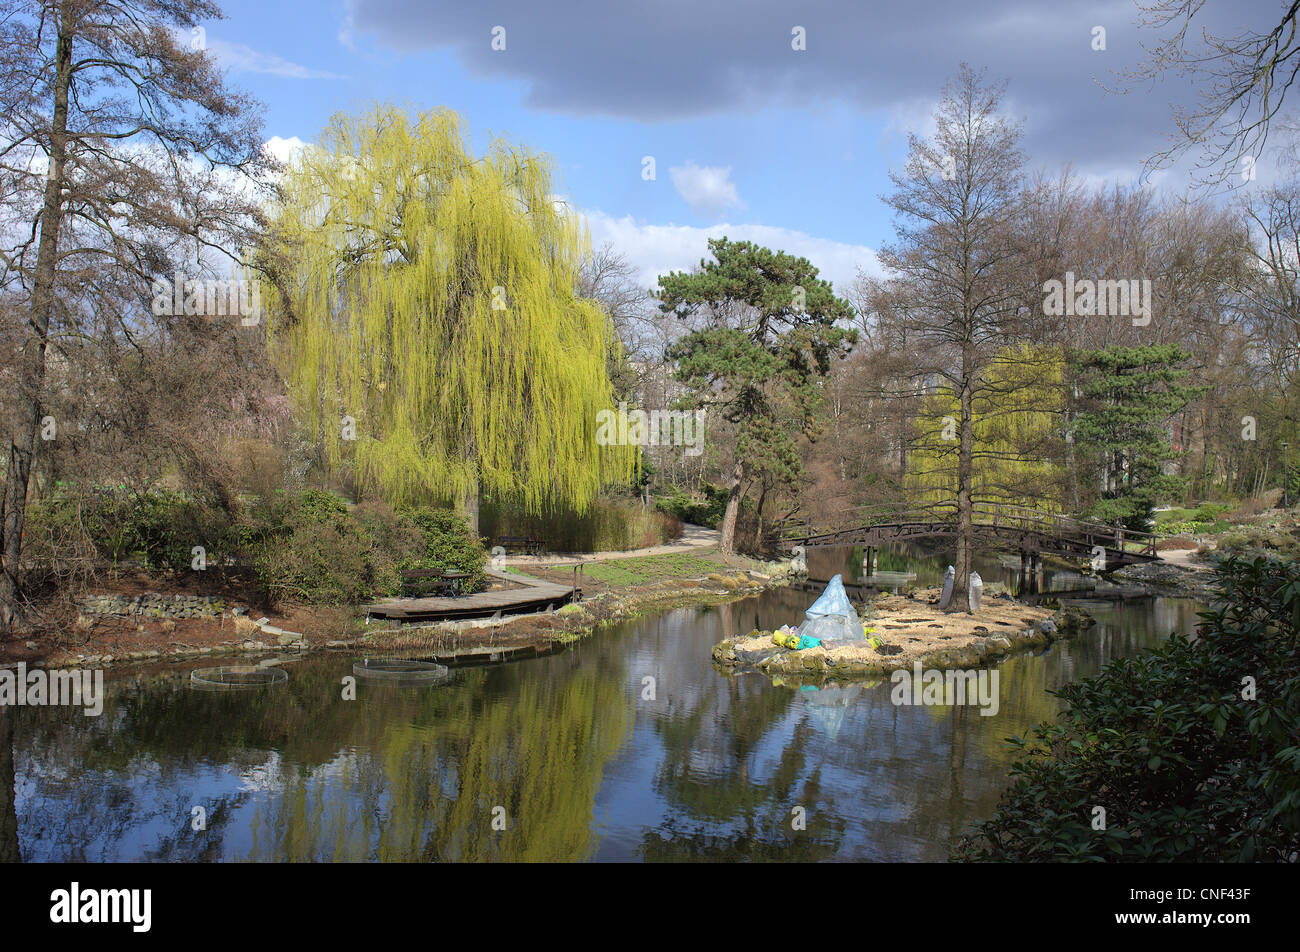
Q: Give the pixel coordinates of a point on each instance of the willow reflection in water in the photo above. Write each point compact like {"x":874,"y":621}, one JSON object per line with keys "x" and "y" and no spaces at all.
{"x":580,"y":754}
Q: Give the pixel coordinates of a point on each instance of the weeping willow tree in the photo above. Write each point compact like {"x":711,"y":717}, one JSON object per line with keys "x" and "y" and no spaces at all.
{"x":1018,"y":411}
{"x":423,"y":305}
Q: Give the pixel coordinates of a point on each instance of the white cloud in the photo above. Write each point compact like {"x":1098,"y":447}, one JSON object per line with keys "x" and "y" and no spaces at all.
{"x":243,"y":58}
{"x":657,"y":249}
{"x":911,"y":116}
{"x":707,"y":189}
{"x":284,"y":149}
{"x":346,"y":37}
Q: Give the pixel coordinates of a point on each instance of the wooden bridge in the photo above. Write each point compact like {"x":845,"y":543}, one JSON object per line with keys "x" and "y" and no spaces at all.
{"x":996,"y":526}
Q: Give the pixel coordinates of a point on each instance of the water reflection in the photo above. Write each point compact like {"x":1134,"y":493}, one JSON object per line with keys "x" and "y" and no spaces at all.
{"x":627,"y":747}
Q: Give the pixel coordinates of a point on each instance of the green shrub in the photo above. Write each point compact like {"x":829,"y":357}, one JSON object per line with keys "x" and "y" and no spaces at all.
{"x":313,"y":548}
{"x":706,"y":511}
{"x":1185,"y":527}
{"x":1209,"y":511}
{"x":160,"y":527}
{"x":308,"y":548}
{"x":394,"y":544}
{"x":166,"y":526}
{"x":1184,"y":766}
{"x":445,"y":542}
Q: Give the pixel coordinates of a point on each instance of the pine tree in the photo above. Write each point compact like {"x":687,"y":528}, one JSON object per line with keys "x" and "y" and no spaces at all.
{"x":770,"y":333}
{"x":1129,"y":394}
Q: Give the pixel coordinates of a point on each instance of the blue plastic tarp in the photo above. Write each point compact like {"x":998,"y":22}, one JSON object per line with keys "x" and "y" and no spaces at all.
{"x":831,"y":617}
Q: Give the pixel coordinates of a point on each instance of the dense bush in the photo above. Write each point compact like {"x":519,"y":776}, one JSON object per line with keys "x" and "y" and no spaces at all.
{"x":703,"y":509}
{"x":1203,"y":520}
{"x":1185,"y":766}
{"x":309,"y":548}
{"x":611,"y":524}
{"x":444,"y":541}
{"x":158,"y":527}
{"x":312,"y":548}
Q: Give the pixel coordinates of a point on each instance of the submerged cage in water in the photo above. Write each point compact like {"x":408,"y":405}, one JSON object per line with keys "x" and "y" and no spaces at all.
{"x":404,"y":670}
{"x":234,"y":677}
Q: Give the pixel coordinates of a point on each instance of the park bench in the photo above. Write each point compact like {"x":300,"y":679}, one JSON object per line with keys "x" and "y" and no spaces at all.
{"x":419,"y":582}
{"x":529,"y":545}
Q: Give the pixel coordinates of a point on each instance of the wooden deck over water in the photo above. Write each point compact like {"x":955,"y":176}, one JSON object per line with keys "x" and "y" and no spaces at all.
{"x":531,"y":595}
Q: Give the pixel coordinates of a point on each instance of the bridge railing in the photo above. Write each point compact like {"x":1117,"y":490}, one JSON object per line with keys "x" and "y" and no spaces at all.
{"x":1009,"y":516}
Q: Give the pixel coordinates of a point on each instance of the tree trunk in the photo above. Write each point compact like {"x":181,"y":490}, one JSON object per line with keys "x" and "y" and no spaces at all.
{"x":31,"y":360}
{"x":9,"y":847}
{"x":728,"y":543}
{"x":470,"y":507}
{"x":965,"y":504}
{"x":469,"y":503}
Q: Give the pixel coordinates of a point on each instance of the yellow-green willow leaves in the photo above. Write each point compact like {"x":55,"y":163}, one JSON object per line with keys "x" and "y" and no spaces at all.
{"x":426,"y":297}
{"x":1018,"y":410}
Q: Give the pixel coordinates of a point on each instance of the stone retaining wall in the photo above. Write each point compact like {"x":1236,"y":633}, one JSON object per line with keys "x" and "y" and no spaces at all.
{"x":153,"y":605}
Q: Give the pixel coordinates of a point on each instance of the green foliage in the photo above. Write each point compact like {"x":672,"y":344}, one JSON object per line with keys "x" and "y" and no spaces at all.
{"x":311,"y":547}
{"x":428,"y":294}
{"x":445,"y":543}
{"x":1203,"y":520}
{"x":1129,"y":395}
{"x":1016,"y":421}
{"x":159,"y":527}
{"x":307,"y":547}
{"x":1209,"y":511}
{"x":687,"y":507}
{"x":1186,"y":768}
{"x":771,"y":331}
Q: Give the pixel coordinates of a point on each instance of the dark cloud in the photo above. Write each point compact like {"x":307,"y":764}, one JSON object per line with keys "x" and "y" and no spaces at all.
{"x":685,"y":58}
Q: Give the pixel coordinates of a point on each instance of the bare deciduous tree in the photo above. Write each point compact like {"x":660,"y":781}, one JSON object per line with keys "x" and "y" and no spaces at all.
{"x":952,"y":289}
{"x":1244,"y":78}
{"x":122,"y":152}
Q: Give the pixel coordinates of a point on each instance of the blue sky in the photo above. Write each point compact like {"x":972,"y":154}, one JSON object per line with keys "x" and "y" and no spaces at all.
{"x":750,"y":137}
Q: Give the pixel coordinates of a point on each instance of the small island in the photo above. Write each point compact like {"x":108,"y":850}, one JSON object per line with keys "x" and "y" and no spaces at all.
{"x":910,"y":628}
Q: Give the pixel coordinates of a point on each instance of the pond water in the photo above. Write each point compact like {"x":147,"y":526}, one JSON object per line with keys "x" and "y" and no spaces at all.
{"x":576,"y":754}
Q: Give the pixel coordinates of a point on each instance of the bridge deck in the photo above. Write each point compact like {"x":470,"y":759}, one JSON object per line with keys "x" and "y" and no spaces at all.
{"x":998,"y":526}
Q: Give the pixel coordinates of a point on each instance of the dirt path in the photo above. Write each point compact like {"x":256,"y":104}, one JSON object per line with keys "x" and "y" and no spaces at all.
{"x":693,"y":537}
{"x":1185,"y":558}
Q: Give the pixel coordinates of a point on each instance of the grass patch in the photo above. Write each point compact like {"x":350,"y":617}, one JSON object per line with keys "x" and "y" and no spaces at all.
{"x":645,"y":569}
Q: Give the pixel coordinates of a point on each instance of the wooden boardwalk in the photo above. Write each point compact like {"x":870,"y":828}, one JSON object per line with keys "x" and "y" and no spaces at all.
{"x":531,"y":596}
